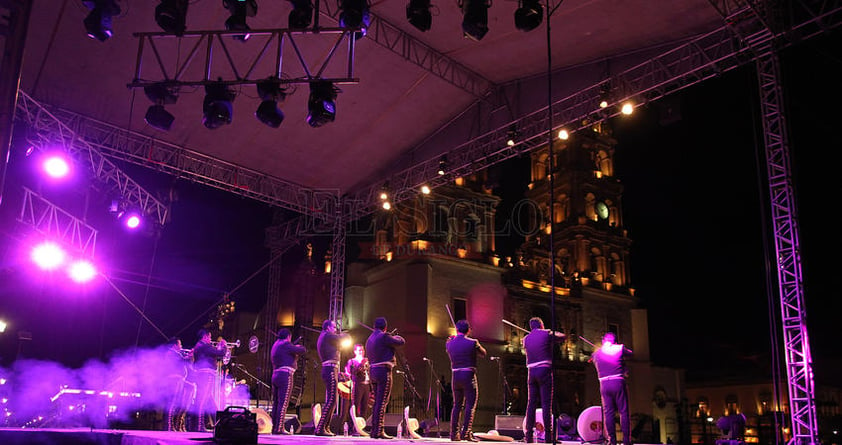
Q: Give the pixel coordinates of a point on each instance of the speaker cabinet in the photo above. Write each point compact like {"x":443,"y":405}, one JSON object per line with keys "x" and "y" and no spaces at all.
{"x":511,"y":426}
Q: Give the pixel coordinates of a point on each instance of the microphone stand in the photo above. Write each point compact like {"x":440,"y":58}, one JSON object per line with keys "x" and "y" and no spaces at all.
{"x":434,"y":376}
{"x":245,"y":371}
{"x":505,"y":385}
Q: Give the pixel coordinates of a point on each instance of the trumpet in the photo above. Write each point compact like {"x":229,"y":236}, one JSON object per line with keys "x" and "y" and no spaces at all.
{"x":235,"y":344}
{"x":185,"y":353}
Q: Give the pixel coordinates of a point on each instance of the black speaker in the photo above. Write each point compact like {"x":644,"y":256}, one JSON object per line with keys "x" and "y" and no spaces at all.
{"x":511,"y":426}
{"x":291,"y":421}
{"x":235,"y":425}
{"x":391,"y":422}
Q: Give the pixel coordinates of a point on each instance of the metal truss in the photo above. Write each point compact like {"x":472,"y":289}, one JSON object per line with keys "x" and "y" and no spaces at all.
{"x":392,"y":38}
{"x":145,"y":151}
{"x":703,"y":57}
{"x":211,"y":43}
{"x":337,"y":272}
{"x":785,"y":220}
{"x":54,"y":127}
{"x":50,"y":220}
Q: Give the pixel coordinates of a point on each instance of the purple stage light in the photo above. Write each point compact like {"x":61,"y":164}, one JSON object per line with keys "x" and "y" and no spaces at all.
{"x":132,"y":221}
{"x":56,"y":166}
{"x":48,"y":256}
{"x":81,"y":271}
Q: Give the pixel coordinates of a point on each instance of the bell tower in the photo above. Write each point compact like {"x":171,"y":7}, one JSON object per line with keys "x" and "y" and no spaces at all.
{"x":591,"y":245}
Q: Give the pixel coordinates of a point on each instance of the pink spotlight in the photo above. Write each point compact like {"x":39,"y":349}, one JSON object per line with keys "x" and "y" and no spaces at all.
{"x":132,"y":221}
{"x":56,"y":167}
{"x":81,"y":271}
{"x":48,"y":256}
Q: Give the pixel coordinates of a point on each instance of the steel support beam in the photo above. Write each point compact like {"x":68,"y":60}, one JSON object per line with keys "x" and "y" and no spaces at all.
{"x":392,"y":38}
{"x":337,"y":271}
{"x":199,"y":67}
{"x":784,"y":211}
{"x":50,"y":220}
{"x":50,"y":126}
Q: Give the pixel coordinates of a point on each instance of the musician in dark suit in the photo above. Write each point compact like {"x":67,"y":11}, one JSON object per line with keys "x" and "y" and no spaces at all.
{"x":463,"y":352}
{"x":178,"y":363}
{"x":284,"y":362}
{"x":610,"y":363}
{"x":328,"y":346}
{"x":538,"y":344}
{"x":380,"y":352}
{"x":205,"y":356}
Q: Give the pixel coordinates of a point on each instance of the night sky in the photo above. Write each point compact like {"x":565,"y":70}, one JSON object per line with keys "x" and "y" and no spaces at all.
{"x":695,"y":205}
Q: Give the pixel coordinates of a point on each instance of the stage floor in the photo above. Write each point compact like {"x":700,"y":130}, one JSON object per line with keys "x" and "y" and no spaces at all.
{"x":85,"y":436}
{"x":88,"y":436}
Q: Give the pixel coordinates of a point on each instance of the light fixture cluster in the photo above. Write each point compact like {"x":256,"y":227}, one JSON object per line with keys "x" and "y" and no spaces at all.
{"x":239,"y":9}
{"x":218,"y":111}
{"x":98,"y":21}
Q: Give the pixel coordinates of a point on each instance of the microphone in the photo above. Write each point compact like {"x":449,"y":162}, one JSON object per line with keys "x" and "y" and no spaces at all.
{"x":399,"y":371}
{"x":494,"y":358}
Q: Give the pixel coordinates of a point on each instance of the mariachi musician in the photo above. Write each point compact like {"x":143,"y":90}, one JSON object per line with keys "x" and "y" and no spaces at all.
{"x":205,"y":357}
{"x":359,"y":369}
{"x":380,"y":351}
{"x":284,"y":359}
{"x":329,"y":353}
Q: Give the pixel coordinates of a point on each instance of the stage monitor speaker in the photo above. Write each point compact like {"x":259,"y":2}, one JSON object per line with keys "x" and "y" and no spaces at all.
{"x":391,"y":422}
{"x":511,"y":426}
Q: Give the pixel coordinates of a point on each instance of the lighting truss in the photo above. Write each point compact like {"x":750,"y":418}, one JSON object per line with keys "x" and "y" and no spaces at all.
{"x":118,"y":143}
{"x":50,"y":126}
{"x":198,"y":66}
{"x":50,"y":220}
{"x":689,"y":63}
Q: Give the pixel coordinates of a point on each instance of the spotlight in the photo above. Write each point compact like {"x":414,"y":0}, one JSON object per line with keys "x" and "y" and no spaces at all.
{"x":156,"y":116}
{"x":355,"y":15}
{"x":418,"y":14}
{"x":217,"y":110}
{"x":171,"y":16}
{"x":321,"y":106}
{"x":48,"y":255}
{"x":237,"y":21}
{"x":442,"y":166}
{"x":56,"y":166}
{"x":627,"y":108}
{"x":271,"y":93}
{"x":98,"y":21}
{"x":301,"y":15}
{"x":475,"y":19}
{"x":528,"y":15}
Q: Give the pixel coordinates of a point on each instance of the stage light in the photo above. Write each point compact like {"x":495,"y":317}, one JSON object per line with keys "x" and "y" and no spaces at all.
{"x":627,"y":109}
{"x":132,"y":221}
{"x":271,"y":93}
{"x":156,"y":116}
{"x":321,"y":107}
{"x":442,"y":166}
{"x":56,"y":166}
{"x":81,"y":271}
{"x":301,"y":15}
{"x":418,"y":14}
{"x":563,"y":134}
{"x":217,"y":109}
{"x":425,"y":189}
{"x":529,"y":15}
{"x":475,"y":19}
{"x":511,"y":136}
{"x":48,"y":255}
{"x":98,"y":21}
{"x":355,"y":14}
{"x":237,"y":21}
{"x":171,"y":16}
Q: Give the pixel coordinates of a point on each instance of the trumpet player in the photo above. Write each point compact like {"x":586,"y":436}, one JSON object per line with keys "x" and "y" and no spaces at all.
{"x":179,"y":361}
{"x":205,"y":356}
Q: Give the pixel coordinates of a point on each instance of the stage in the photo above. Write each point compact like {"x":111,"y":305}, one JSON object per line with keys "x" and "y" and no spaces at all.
{"x":89,"y":436}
